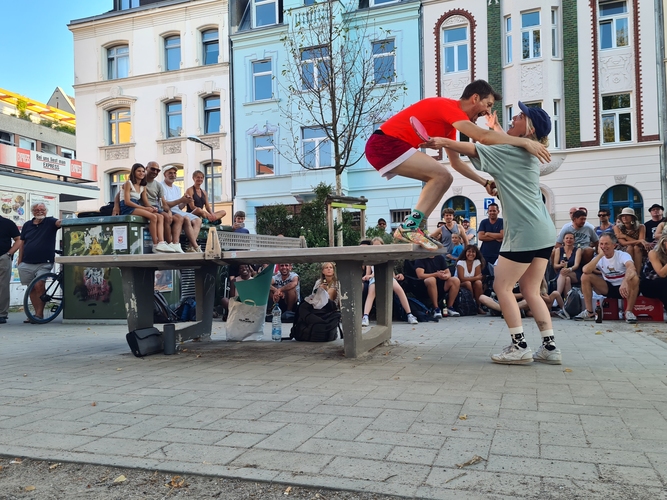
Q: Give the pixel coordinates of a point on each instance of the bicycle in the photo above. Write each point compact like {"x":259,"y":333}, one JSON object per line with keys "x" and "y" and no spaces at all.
{"x":52,"y":297}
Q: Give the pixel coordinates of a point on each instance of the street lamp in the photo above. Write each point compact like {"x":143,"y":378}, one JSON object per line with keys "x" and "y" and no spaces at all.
{"x":194,"y":138}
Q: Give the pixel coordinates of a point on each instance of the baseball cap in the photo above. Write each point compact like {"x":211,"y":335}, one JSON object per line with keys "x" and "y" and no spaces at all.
{"x":539,"y":117}
{"x":168,"y":168}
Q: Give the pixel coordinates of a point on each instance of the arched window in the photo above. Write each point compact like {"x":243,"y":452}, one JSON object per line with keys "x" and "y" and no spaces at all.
{"x":464,"y":208}
{"x":616,"y":198}
{"x":116,"y":181}
{"x":120,"y":126}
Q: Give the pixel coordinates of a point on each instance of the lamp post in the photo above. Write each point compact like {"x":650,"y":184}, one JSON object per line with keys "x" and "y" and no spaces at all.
{"x":194,"y":138}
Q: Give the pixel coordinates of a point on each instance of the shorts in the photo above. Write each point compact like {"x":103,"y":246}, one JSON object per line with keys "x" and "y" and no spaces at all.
{"x":385,"y":153}
{"x":124,"y":209}
{"x":613,"y":291}
{"x":185,"y":215}
{"x":28,"y":272}
{"x":527,"y":257}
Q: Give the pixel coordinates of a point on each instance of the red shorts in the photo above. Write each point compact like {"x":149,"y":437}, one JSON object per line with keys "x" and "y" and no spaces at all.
{"x":386,"y":153}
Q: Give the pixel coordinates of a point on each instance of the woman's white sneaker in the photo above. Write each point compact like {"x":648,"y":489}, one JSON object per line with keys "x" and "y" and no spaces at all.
{"x":364,"y":320}
{"x":177,"y":247}
{"x":544,"y":355}
{"x":513,"y":355}
{"x":412,"y":320}
{"x":163,"y":247}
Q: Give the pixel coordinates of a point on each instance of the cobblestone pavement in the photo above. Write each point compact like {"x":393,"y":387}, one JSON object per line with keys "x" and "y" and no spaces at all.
{"x":395,"y":422}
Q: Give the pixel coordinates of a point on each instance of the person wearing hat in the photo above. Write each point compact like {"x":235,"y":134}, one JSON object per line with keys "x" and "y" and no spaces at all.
{"x":176,"y":202}
{"x":529,"y":232}
{"x":656,"y":218}
{"x":471,"y":233}
{"x":631,"y":236}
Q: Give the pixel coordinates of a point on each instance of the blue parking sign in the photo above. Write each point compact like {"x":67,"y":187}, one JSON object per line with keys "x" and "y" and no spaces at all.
{"x":487,"y":202}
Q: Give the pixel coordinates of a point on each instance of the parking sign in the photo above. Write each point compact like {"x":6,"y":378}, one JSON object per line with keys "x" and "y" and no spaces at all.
{"x":487,"y":202}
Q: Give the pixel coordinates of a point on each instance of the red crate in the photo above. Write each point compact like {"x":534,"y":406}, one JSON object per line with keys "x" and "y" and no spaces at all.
{"x":610,"y":309}
{"x":647,"y":309}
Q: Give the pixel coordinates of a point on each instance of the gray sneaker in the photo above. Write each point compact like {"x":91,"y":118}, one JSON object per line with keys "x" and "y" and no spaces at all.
{"x":544,"y":355}
{"x":630,"y":317}
{"x":513,"y":355}
{"x":364,"y":320}
{"x":584,"y":316}
{"x":452,"y":313}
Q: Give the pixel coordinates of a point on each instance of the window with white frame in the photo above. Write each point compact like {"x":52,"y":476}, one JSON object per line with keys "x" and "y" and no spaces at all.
{"x":266,"y":12}
{"x":315,"y":63}
{"x":210,"y":47}
{"x":213,"y":177}
{"x":508,"y":39}
{"x":455,"y":49}
{"x":116,"y":181}
{"x":531,"y":46}
{"x":509,"y":113}
{"x":614,"y":28}
{"x":316,"y":147}
{"x":174,"y":118}
{"x":555,"y":121}
{"x":262,"y":80}
{"x":555,"y":34}
{"x":212,"y":115}
{"x":49,"y":148}
{"x":384,"y":61}
{"x":616,"y":118}
{"x":25,"y":143}
{"x":264,"y":155}
{"x":118,"y":62}
{"x":172,"y":53}
{"x":68,"y":153}
{"x":120,"y":126}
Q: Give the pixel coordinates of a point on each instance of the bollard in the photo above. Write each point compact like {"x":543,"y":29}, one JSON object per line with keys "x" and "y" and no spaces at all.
{"x":169,"y":337}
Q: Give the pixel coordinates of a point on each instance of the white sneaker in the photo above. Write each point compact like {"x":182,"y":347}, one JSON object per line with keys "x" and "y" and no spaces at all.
{"x":544,"y":355}
{"x":630,"y":317}
{"x":162,"y":247}
{"x":452,"y":313}
{"x":513,"y":355}
{"x":584,"y":316}
{"x":177,"y":247}
{"x":412,"y":320}
{"x":364,"y":320}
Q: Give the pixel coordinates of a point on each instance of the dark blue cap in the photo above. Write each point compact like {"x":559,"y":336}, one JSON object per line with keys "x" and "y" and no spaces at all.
{"x":540,"y":119}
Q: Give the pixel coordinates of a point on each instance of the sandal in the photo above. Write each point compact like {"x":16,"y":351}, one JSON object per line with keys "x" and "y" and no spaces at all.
{"x":28,"y":320}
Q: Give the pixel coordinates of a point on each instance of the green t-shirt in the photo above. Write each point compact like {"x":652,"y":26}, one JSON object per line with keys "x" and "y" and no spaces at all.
{"x":527,"y":224}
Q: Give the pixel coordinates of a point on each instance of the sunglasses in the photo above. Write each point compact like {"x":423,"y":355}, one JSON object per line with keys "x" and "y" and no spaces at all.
{"x":603,"y":215}
{"x":152,"y":169}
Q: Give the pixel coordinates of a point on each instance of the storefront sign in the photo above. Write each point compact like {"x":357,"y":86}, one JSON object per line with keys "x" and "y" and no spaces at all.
{"x":47,"y":163}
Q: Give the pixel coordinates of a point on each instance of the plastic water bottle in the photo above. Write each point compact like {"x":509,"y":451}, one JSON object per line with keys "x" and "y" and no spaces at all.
{"x":276,"y":324}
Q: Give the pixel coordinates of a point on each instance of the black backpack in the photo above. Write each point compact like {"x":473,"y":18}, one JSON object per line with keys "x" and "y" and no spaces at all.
{"x":316,"y":325}
{"x":420,"y":311}
{"x":574,"y":302}
{"x":465,"y":303}
{"x":162,"y":313}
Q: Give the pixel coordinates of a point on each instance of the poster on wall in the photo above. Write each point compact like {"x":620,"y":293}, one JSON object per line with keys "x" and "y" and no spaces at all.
{"x":49,"y":200}
{"x":13,"y":206}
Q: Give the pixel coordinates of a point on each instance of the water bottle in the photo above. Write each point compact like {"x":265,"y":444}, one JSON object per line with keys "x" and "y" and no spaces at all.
{"x":276,"y":324}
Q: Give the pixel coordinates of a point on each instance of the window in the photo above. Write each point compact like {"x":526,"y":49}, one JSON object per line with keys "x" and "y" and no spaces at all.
{"x":508,"y":39}
{"x":264,"y":155}
{"x":266,"y":12}
{"x":308,"y":2}
{"x":530,"y":35}
{"x":616,"y":118}
{"x":555,"y":39}
{"x":25,"y":143}
{"x":116,"y":181}
{"x":210,"y":47}
{"x":316,"y":148}
{"x":120,"y":126}
{"x":172,"y":53}
{"x":613,"y":25}
{"x":212,"y":115}
{"x":381,"y":2}
{"x":128,"y":4}
{"x":384,"y":61}
{"x":216,"y":175}
{"x":49,"y":148}
{"x":68,"y":153}
{"x":510,"y":114}
{"x":464,"y":208}
{"x":555,"y":120}
{"x":398,"y":216}
{"x":315,"y":67}
{"x":455,"y":47}
{"x":6,"y":138}
{"x":118,"y":62}
{"x":262,"y":80}
{"x":174,"y":118}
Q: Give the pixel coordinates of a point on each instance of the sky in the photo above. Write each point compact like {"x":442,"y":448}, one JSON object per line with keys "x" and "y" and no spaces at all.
{"x":37,"y":48}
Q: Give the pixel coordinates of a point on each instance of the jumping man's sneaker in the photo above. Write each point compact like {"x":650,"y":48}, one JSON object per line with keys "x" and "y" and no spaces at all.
{"x":513,"y":355}
{"x":585,"y":316}
{"x":412,"y":320}
{"x":364,"y":320}
{"x":437,"y":313}
{"x":544,"y":355}
{"x":414,"y":236}
{"x":452,"y":313}
{"x":432,"y":240}
{"x":630,"y":317}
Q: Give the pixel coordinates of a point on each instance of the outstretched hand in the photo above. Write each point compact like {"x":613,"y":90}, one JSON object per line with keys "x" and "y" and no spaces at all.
{"x":539,"y":150}
{"x":492,"y":121}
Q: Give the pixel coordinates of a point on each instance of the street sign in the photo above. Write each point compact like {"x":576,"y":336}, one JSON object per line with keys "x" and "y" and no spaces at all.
{"x":487,"y":202}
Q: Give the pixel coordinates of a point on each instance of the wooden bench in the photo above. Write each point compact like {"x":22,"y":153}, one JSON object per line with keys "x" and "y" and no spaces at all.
{"x":137,"y":272}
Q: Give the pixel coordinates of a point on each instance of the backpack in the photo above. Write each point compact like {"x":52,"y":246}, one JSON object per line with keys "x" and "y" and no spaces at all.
{"x":465,"y":303}
{"x":162,"y":313}
{"x":574,"y":302}
{"x":187,"y":311}
{"x":316,"y":325}
{"x":420,"y":311}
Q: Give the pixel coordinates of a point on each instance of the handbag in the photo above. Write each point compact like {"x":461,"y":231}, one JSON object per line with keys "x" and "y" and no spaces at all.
{"x":245,"y":320}
{"x":145,"y":341}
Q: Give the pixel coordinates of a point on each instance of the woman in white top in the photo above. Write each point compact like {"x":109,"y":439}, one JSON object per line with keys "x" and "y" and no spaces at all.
{"x":469,"y":271}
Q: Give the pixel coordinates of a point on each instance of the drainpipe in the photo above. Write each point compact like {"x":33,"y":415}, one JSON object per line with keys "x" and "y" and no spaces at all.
{"x":662,"y":89}
{"x":231,"y":114}
{"x":421,"y":51}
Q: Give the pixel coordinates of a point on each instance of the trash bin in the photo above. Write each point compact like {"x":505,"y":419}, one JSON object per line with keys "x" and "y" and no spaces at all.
{"x":97,"y":293}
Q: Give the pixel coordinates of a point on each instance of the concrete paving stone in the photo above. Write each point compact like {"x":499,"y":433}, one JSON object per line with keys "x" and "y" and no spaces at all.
{"x":257,"y":426}
{"x":585,"y":409}
{"x":411,"y":455}
{"x":643,"y":417}
{"x":53,"y":440}
{"x":241,"y":440}
{"x":180,"y":435}
{"x":26,"y":418}
{"x":615,"y":403}
{"x":458,"y":450}
{"x":282,"y":461}
{"x":539,"y":416}
{"x":344,"y":428}
{"x":255,"y":410}
{"x":444,"y":397}
{"x":541,"y":467}
{"x":605,"y":426}
{"x":168,"y":409}
{"x":641,"y":476}
{"x":203,"y":418}
{"x":220,"y":402}
{"x":344,"y":398}
{"x":401,"y":439}
{"x":475,"y":479}
{"x":659,"y":462}
{"x":594,"y":455}
{"x":519,"y":402}
{"x":303,"y":404}
{"x":100,"y":430}
{"x":55,"y":426}
{"x":121,"y":447}
{"x":14,"y":411}
{"x":516,"y":443}
{"x":13,"y":435}
{"x":355,"y":449}
{"x":396,"y":420}
{"x":562,"y":435}
{"x":214,"y":470}
{"x":462,"y":429}
{"x":355,"y":411}
{"x":477,"y":422}
{"x":197,"y":453}
{"x":137,"y":429}
{"x":487,"y":408}
{"x":377,"y":470}
{"x":551,"y":395}
{"x":599,"y":489}
{"x":290,"y":437}
{"x":292,"y":417}
{"x":440,"y":413}
{"x":390,"y":404}
{"x":653,"y":433}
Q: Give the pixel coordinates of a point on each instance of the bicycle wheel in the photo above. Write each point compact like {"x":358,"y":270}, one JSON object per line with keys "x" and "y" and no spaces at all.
{"x":52,"y":298}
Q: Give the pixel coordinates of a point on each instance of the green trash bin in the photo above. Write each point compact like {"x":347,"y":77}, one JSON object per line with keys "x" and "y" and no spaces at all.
{"x":97,"y":293}
{"x":256,"y":289}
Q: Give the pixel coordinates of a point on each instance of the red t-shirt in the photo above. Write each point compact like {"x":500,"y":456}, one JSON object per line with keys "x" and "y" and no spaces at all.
{"x":436,"y":114}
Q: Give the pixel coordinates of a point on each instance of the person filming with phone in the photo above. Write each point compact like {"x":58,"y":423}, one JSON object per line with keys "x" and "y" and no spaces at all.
{"x":239,"y":222}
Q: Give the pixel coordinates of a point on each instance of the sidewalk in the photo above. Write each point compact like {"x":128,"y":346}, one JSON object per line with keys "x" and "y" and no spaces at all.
{"x":395,"y":422}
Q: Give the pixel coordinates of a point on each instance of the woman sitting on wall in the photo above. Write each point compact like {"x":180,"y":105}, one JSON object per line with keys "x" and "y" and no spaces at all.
{"x":199,"y":204}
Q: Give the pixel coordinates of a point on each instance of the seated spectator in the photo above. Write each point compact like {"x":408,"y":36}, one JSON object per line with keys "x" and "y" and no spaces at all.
{"x":285,"y":289}
{"x":328,"y":282}
{"x":242,"y":274}
{"x":398,"y":290}
{"x":189,"y":223}
{"x":471,"y":233}
{"x":618,"y":280}
{"x":631,"y":237}
{"x":491,"y":301}
{"x":656,"y":211}
{"x":457,"y":248}
{"x":605,"y":226}
{"x":239,"y":222}
{"x":469,"y":272}
{"x":382,"y":224}
{"x":434,"y":273}
{"x":549,"y":299}
{"x":199,"y":204}
{"x":567,"y":263}
{"x":661,"y":230}
{"x":654,"y":278}
{"x":585,"y":236}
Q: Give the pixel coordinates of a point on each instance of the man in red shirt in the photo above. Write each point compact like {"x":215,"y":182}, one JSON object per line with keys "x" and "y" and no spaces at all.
{"x":392,"y":150}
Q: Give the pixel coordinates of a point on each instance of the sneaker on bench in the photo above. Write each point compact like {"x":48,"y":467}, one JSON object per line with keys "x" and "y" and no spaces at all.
{"x":177,"y":247}
{"x":163,"y":247}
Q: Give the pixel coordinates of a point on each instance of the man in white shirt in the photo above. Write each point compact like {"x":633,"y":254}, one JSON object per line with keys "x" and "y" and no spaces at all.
{"x":191,"y":224}
{"x":617,"y":278}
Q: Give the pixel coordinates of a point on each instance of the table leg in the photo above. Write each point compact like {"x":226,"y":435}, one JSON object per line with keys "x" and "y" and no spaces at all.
{"x":205,"y":298}
{"x":138,"y":283}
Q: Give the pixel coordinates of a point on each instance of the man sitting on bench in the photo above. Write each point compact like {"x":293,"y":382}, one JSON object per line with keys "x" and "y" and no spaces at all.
{"x":285,"y":289}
